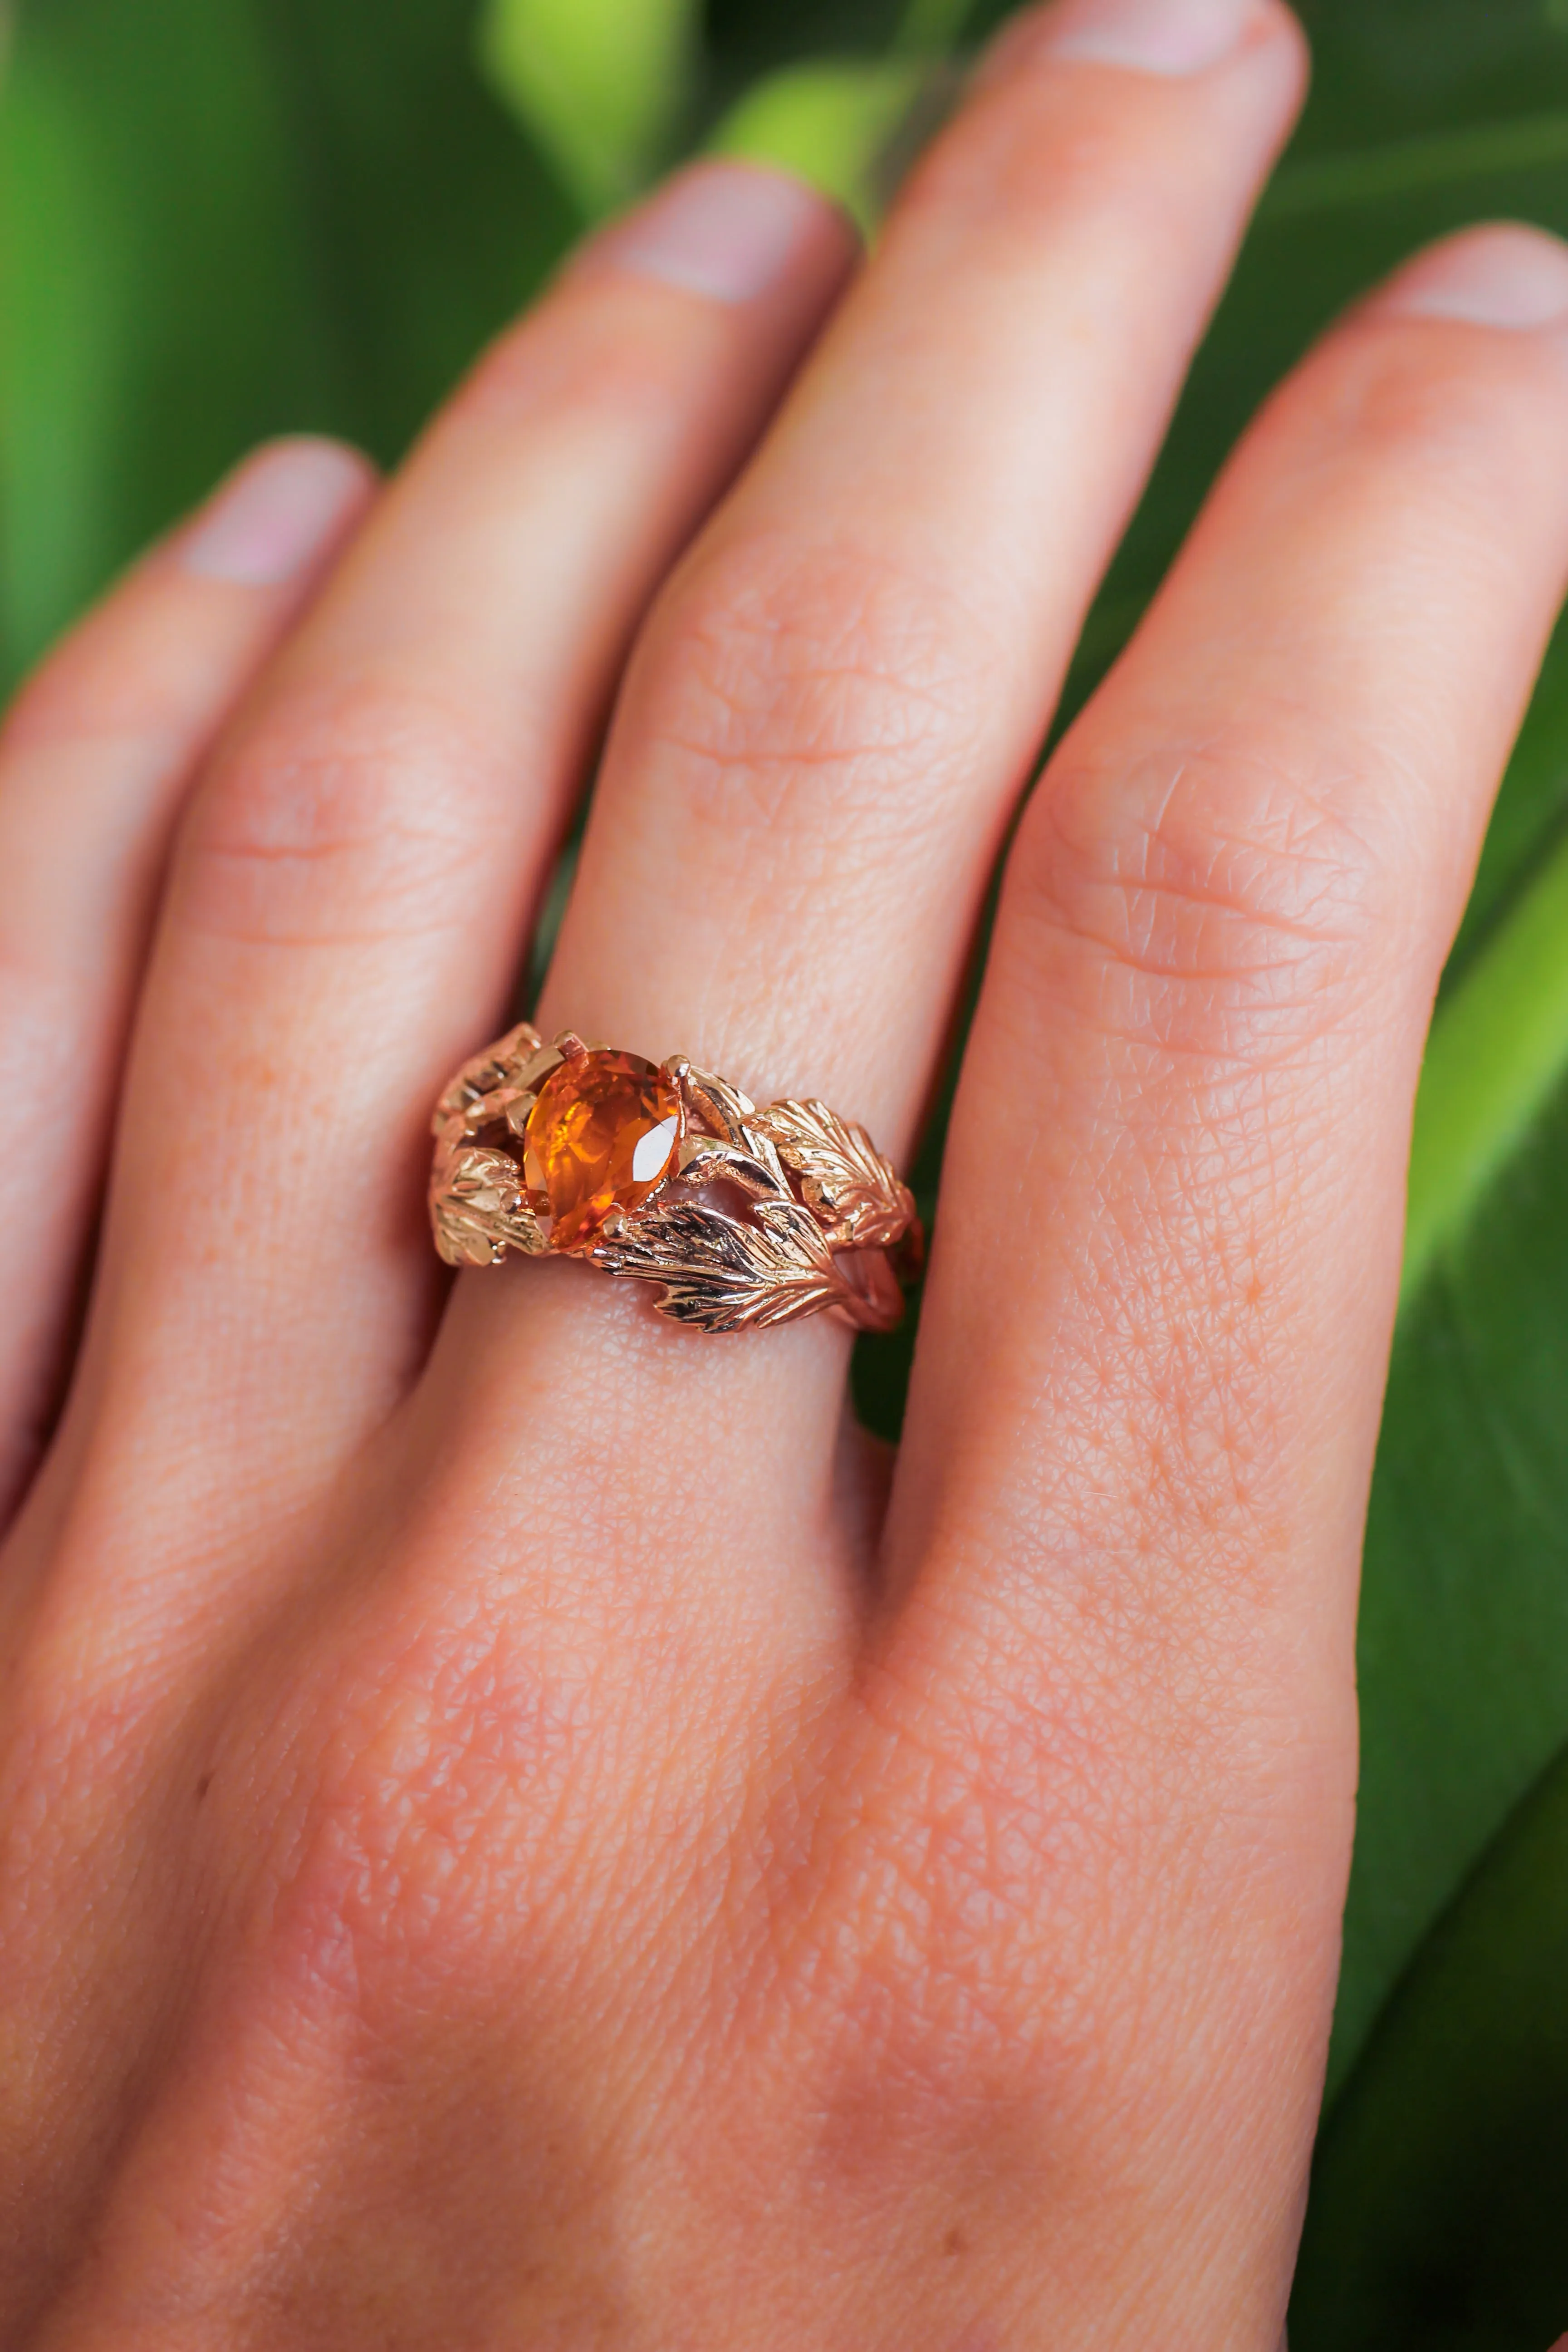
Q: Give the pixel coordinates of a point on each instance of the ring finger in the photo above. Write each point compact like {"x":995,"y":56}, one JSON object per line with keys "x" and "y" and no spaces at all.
{"x":842,"y":691}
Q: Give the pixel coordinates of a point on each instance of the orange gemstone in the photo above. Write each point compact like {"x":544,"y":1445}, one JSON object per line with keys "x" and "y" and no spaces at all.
{"x":601,"y":1136}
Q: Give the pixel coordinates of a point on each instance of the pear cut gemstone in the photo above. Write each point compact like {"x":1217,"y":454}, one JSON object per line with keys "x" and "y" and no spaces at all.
{"x":603,"y":1135}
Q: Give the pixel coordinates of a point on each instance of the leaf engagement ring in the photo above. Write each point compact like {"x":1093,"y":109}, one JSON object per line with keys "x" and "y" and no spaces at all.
{"x":744,"y":1217}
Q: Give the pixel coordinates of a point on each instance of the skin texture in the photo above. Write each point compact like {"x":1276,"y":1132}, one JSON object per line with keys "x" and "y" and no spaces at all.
{"x":520,"y":1828}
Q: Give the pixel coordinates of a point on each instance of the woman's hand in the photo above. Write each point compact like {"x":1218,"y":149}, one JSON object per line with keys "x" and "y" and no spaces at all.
{"x":517,"y":1835}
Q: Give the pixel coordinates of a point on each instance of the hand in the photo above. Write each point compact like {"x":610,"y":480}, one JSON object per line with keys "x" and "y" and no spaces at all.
{"x":522,"y":1828}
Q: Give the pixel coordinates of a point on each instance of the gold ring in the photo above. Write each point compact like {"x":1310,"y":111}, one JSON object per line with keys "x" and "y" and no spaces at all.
{"x":746,"y":1217}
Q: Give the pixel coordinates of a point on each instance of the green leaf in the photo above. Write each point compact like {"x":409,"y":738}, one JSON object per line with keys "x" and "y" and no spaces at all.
{"x":836,"y":123}
{"x":221,"y":219}
{"x":602,"y":84}
{"x":1496,"y":1054}
{"x":1530,"y":814}
{"x":155,"y":298}
{"x":431,"y":218}
{"x":1439,"y":2211}
{"x":1463,"y":1630}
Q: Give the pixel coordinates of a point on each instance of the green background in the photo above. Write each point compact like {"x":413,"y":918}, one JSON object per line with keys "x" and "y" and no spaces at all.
{"x":223,"y":219}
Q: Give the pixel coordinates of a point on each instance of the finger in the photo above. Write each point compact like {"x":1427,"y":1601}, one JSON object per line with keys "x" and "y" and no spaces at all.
{"x":837,"y":701}
{"x":1161,"y":1296}
{"x":95,"y":758}
{"x":352,"y":889}
{"x":837,"y":698}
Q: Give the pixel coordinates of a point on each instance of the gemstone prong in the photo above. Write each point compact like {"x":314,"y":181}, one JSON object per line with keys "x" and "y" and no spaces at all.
{"x":570,"y":1046}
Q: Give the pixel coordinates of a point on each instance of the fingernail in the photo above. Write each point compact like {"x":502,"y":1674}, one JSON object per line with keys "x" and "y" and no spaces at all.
{"x":1503,"y":277}
{"x":276,"y":515}
{"x":729,"y":231}
{"x":1163,"y":36}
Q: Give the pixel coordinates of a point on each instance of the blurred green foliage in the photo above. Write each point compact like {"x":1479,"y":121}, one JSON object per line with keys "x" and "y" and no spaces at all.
{"x":603,"y":85}
{"x":221,"y":218}
{"x":1439,"y":2217}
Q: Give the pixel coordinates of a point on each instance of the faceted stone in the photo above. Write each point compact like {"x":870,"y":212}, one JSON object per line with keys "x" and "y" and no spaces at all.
{"x":602,"y":1135}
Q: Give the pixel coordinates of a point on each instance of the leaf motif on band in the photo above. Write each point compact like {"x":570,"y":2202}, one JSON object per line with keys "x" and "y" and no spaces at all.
{"x":855,"y":1194}
{"x":724,"y":1104}
{"x":477,"y":1209}
{"x":720,"y":1275}
{"x":486,"y":1075}
{"x":819,"y":1208}
{"x":753,"y":1164}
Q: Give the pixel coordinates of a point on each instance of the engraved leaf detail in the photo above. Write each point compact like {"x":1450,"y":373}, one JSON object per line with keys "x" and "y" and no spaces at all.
{"x":724,"y":1104}
{"x":720,"y":1275}
{"x":483,"y":1086}
{"x":814,"y":1185}
{"x":858,"y":1195}
{"x":753,"y":1164}
{"x":477,"y":1208}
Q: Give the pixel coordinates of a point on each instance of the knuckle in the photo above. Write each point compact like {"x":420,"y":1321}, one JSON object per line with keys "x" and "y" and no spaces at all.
{"x":441,"y":1813}
{"x":937,"y":1999}
{"x":1226,"y":899}
{"x":995,"y":1944}
{"x":797,"y":686}
{"x":358,"y":813}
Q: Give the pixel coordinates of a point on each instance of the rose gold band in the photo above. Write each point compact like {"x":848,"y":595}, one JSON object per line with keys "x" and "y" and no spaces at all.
{"x":746,"y":1217}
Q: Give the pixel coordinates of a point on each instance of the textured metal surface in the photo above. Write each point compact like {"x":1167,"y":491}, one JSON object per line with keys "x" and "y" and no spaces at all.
{"x":767,"y":1215}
